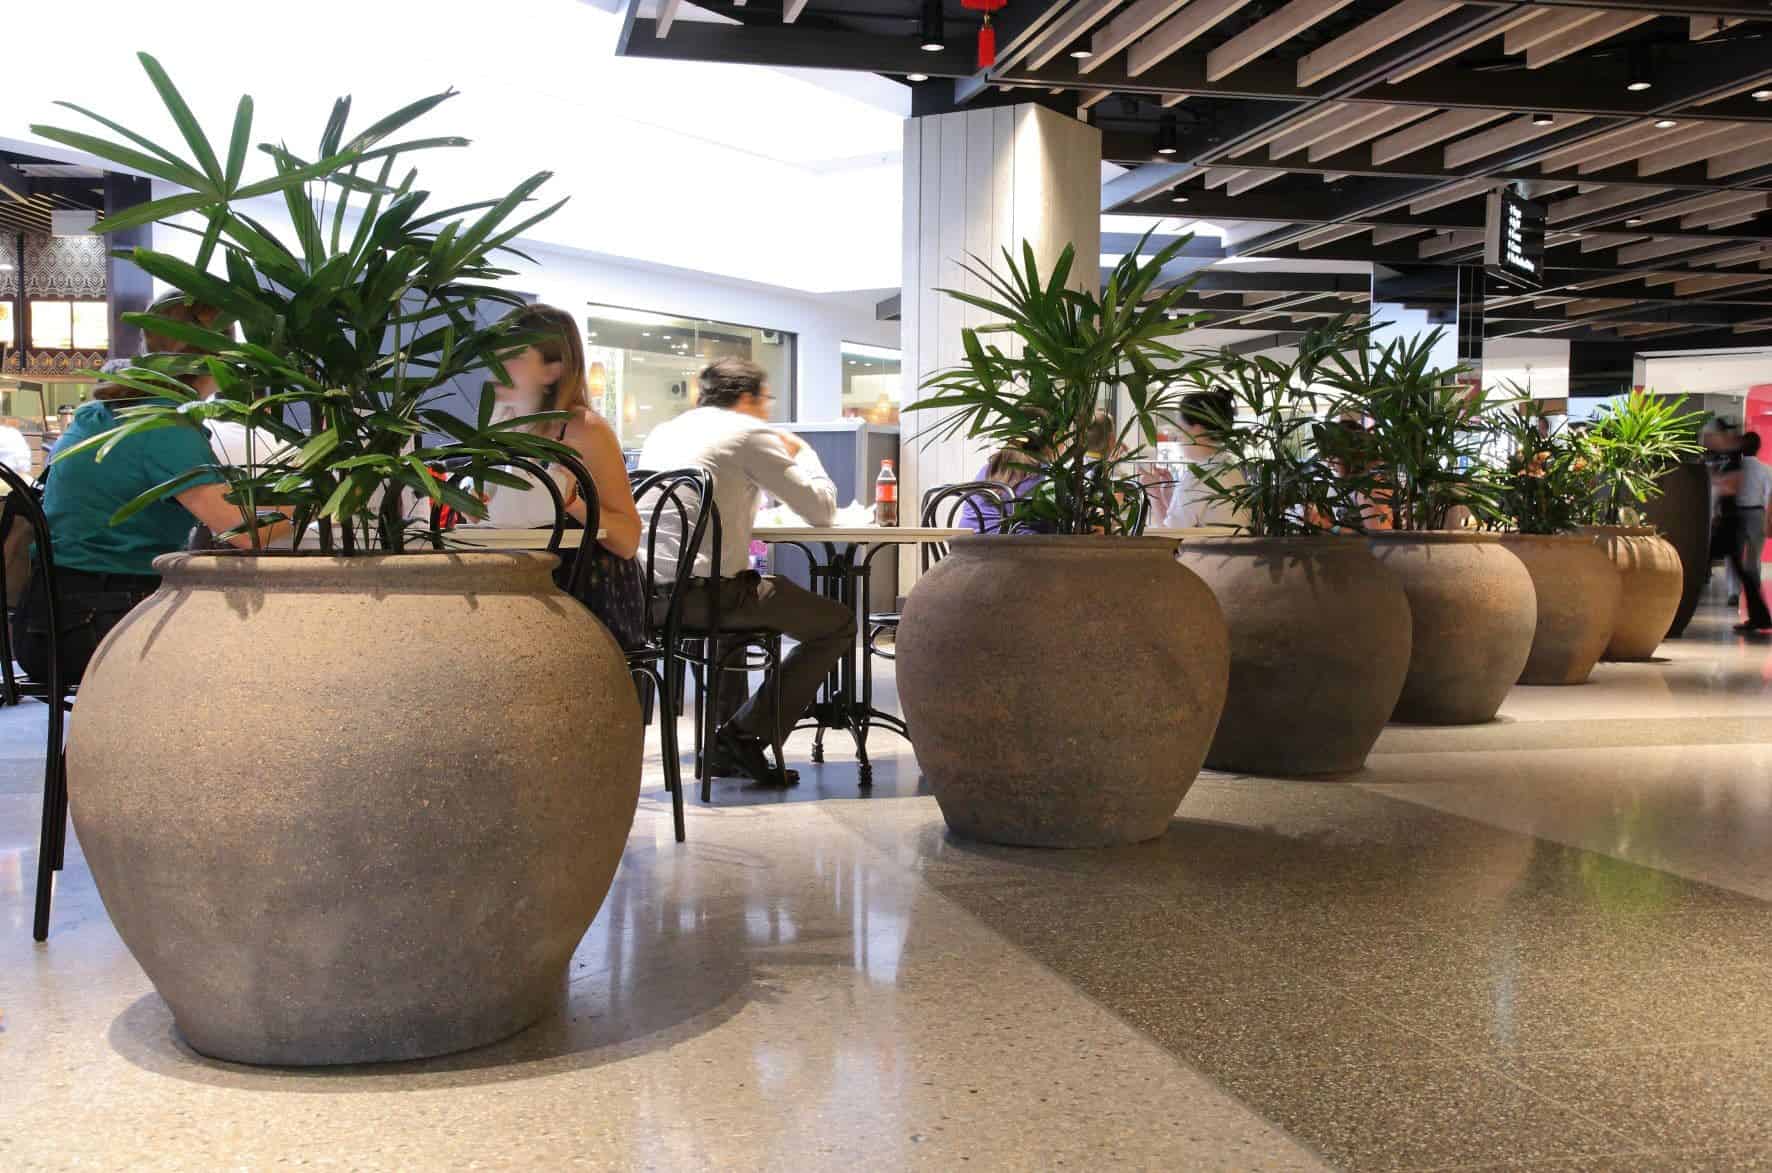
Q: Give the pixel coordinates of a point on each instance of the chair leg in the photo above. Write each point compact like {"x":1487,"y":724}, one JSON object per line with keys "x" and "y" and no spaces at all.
{"x":673,"y":766}
{"x":11,"y":677}
{"x":776,"y":718}
{"x":61,"y":815}
{"x":700,"y":707}
{"x":705,"y":725}
{"x":49,"y":842}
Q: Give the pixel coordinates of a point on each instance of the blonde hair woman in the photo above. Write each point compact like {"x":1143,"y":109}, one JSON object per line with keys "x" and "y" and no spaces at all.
{"x":549,"y":375}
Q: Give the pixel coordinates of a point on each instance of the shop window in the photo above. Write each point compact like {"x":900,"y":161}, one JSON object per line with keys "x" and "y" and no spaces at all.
{"x":70,"y":325}
{"x":643,"y":365}
{"x":872,"y":389}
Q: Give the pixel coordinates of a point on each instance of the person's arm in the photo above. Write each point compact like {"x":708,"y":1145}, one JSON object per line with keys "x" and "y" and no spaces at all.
{"x":797,"y":479}
{"x":210,"y":506}
{"x":600,"y":452}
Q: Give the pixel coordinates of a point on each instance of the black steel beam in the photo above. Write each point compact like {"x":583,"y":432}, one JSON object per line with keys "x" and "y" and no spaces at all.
{"x":795,"y":47}
{"x":1750,"y":9}
{"x":1689,"y":312}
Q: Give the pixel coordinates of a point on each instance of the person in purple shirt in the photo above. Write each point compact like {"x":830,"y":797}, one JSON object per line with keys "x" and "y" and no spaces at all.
{"x":1007,"y":466}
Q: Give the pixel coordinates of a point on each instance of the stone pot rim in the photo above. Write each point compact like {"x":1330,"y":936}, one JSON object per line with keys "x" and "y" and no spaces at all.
{"x":1623,"y":531}
{"x":471,"y":571}
{"x":1579,"y":538}
{"x":1437,"y":537}
{"x":1247,"y":543}
{"x":1092,"y":545}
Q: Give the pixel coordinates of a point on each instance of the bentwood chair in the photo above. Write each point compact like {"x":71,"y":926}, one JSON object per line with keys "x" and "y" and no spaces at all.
{"x":24,"y":503}
{"x":677,"y":509}
{"x":988,"y":503}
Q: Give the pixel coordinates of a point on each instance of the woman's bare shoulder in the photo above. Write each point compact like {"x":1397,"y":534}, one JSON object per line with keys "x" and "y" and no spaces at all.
{"x":588,"y":424}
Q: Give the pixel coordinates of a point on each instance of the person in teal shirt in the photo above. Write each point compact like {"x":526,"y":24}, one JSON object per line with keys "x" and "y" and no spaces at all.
{"x":104,"y":570}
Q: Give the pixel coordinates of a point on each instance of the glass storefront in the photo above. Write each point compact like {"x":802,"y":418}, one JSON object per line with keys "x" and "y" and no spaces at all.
{"x":70,"y":325}
{"x":872,"y":389}
{"x":643,"y":365}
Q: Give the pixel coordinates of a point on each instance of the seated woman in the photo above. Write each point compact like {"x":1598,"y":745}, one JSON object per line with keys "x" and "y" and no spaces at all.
{"x":550,"y":376}
{"x":1010,"y":467}
{"x":104,"y":570}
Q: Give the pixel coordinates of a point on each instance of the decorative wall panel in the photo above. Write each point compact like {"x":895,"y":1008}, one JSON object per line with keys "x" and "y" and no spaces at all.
{"x":64,"y":266}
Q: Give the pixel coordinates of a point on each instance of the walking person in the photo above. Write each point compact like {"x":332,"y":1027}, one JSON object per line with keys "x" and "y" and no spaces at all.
{"x":1752,"y":492}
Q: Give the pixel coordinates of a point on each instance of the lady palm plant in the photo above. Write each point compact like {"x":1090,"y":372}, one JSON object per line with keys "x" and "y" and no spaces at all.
{"x":1069,"y":351}
{"x":1425,"y":429}
{"x":1632,"y":442}
{"x":1278,"y":467}
{"x":1540,"y":477}
{"x":349,"y":323}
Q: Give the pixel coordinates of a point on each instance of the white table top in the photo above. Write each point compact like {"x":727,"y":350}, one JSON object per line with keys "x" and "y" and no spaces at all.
{"x":876,"y":535}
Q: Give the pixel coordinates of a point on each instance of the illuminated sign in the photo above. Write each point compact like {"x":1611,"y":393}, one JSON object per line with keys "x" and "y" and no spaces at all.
{"x":1514,"y":247}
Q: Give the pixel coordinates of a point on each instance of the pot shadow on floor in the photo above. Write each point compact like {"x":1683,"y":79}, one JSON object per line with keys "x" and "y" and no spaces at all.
{"x":667,"y":959}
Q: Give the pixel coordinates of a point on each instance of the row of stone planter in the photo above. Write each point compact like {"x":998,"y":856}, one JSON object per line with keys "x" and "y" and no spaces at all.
{"x":1039,"y":723}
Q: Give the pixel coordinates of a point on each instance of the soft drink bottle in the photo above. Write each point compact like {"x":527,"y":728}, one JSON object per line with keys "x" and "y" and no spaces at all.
{"x":886,"y":495}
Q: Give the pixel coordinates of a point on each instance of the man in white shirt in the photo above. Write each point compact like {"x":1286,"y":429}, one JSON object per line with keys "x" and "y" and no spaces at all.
{"x":1753,"y":489}
{"x":730,"y":436}
{"x":1191,"y":505}
{"x":15,"y":451}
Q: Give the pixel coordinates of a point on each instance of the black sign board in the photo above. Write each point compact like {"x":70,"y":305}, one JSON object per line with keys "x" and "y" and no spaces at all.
{"x":1514,"y":247}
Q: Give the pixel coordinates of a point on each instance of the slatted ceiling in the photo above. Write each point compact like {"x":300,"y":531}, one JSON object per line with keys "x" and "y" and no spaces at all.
{"x":1461,"y":45}
{"x":1732,"y":213}
{"x":1704,"y":27}
{"x":1452,"y":195}
{"x":1732,"y":221}
{"x":1178,"y":32}
{"x":1353,"y":134}
{"x":1584,"y":36}
{"x":1691,"y":285}
{"x":1255,"y":299}
{"x":1126,"y":28}
{"x":1740,"y":255}
{"x":1760,"y":81}
{"x":1331,"y":235}
{"x":1750,"y":327}
{"x":1392,"y":234}
{"x":1597,"y":201}
{"x":1267,"y":34}
{"x":1174,"y":100}
{"x":1250,"y":180}
{"x":1499,"y":138}
{"x":1675,"y":276}
{"x":1368,"y":37}
{"x":667,"y":15}
{"x":1221,"y":176}
{"x":1092,"y":98}
{"x":1699,"y":204}
{"x":1647,"y":140}
{"x":1546,"y":24}
{"x":1704,"y":142}
{"x":1639,"y":329}
{"x":1334,"y":176}
{"x":1595,"y":241}
{"x":1741,"y":159}
{"x":1316,"y":132}
{"x":1449,"y":242}
{"x":1435,"y":130}
{"x":1596,"y":305}
{"x":1083,"y":16}
{"x":1309,"y":118}
{"x":1563,"y":157}
{"x":1650,"y":250}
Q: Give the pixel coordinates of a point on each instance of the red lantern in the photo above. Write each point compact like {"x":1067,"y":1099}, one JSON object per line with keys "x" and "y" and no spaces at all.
{"x":987,"y":36}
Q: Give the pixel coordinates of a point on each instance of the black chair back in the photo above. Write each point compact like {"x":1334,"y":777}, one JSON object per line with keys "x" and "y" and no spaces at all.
{"x":676,"y":496}
{"x":944,"y":504}
{"x":463,"y":469}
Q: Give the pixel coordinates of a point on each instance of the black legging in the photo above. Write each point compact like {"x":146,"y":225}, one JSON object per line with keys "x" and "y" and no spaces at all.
{"x":90,"y":604}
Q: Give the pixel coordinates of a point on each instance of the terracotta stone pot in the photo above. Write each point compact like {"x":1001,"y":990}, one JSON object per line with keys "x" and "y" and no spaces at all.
{"x":1061,"y":691}
{"x":1578,"y":591}
{"x":351,"y":810}
{"x":1319,"y":649}
{"x":1473,"y":612}
{"x":1651,"y":579}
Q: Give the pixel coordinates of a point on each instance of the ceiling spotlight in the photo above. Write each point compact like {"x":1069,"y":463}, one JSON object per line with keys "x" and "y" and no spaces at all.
{"x":1761,"y":95}
{"x":1178,"y":199}
{"x":1633,"y":221}
{"x":1167,"y":141}
{"x":1542,"y":119}
{"x":1641,"y":70}
{"x":913,"y":77}
{"x":934,"y":36}
{"x":1665,"y":124}
{"x":1082,"y":54}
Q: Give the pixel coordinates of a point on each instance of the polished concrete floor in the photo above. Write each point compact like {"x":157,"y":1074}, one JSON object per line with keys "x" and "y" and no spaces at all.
{"x":1537,"y":943}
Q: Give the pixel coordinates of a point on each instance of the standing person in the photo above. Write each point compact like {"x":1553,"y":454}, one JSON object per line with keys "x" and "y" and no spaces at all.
{"x":1190,"y":507}
{"x":1753,"y":490}
{"x":550,"y":376}
{"x":729,"y":435}
{"x":1722,"y":445}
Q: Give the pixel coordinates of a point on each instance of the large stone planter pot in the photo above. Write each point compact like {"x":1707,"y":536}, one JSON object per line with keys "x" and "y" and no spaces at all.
{"x":1651,"y":579}
{"x":1473,"y":612}
{"x":1061,"y":691}
{"x":1319,"y":650}
{"x":1681,"y":514}
{"x":350,"y":810}
{"x":1578,"y":591}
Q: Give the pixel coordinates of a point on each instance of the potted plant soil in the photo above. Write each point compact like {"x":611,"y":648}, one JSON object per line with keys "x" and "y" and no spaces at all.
{"x":1319,"y":630}
{"x":345,"y":803}
{"x":1471,"y":602}
{"x":1540,"y":481}
{"x":1632,"y":443}
{"x":1061,"y":686}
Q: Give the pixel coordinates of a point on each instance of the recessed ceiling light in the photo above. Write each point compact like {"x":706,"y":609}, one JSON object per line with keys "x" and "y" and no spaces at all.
{"x":1665,"y":123}
{"x":934,"y":38}
{"x":1761,"y":95}
{"x":1167,"y":140}
{"x":1637,"y":87}
{"x":1180,"y":199}
{"x":914,"y":77}
{"x":1082,"y":54}
{"x":1642,"y":70}
{"x":1542,"y":119}
{"x":1633,"y":221}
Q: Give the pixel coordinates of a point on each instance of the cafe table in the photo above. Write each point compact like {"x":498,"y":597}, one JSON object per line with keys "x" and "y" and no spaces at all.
{"x":840,"y":557}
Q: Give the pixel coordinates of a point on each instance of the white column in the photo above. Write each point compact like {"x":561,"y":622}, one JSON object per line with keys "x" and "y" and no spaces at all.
{"x":976,"y":182}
